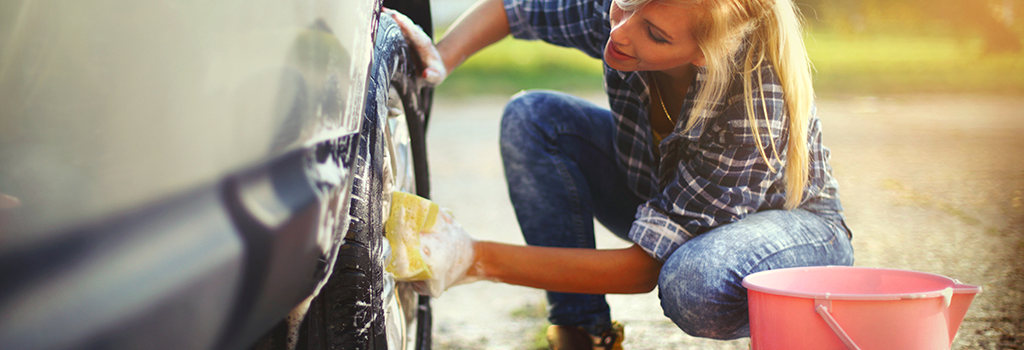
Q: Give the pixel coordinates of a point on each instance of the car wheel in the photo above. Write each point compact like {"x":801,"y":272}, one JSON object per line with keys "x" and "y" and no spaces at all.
{"x":361,"y":306}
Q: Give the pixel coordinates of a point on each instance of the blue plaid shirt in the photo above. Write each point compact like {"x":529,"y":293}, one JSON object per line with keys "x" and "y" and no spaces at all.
{"x":708,"y":176}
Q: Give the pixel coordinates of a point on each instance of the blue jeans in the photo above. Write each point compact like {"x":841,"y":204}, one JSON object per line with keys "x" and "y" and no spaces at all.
{"x":559,"y":158}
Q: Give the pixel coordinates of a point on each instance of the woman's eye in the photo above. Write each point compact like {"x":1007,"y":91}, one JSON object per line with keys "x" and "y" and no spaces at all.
{"x":655,"y":37}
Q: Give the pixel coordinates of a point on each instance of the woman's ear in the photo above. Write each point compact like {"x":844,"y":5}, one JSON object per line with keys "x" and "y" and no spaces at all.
{"x":700,"y":61}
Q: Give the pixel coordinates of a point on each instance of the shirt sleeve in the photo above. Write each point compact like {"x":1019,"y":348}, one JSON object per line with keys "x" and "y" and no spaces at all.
{"x":719,"y":175}
{"x":580,"y":24}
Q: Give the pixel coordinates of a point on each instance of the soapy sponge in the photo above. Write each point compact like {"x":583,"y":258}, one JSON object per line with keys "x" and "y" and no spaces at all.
{"x":428,"y":248}
{"x":410,"y":215}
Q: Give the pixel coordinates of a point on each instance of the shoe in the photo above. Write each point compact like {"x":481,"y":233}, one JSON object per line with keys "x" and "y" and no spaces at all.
{"x":574,"y":338}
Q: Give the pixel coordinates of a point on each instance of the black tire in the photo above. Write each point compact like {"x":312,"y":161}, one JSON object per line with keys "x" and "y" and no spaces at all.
{"x":349,"y":311}
{"x":417,"y":101}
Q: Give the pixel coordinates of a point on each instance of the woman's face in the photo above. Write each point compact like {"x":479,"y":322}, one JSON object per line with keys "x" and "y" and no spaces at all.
{"x":655,"y":37}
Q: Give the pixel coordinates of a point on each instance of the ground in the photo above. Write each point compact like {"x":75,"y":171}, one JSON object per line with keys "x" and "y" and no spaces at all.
{"x":931,"y":183}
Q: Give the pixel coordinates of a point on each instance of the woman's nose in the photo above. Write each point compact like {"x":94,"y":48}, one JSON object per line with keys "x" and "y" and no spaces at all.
{"x":619,"y":33}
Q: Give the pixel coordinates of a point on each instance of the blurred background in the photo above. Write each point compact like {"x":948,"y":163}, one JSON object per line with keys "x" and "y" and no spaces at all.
{"x":857,"y":46}
{"x":922,"y":103}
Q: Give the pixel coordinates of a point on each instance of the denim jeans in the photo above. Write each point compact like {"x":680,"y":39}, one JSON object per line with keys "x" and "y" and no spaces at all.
{"x":559,"y":158}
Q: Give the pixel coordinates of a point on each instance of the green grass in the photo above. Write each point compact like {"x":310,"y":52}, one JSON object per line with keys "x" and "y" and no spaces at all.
{"x":537,"y":336}
{"x":893,"y":64}
{"x":514,"y":65}
{"x":844,"y":64}
{"x":531,"y":311}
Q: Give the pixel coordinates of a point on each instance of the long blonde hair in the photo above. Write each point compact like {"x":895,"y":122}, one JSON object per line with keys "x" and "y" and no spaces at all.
{"x":772,"y":29}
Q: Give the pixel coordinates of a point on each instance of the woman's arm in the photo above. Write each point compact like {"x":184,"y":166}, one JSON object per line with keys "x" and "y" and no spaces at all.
{"x":573,"y":270}
{"x":483,"y":24}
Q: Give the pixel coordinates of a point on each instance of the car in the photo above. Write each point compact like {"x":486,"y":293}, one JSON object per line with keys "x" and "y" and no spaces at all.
{"x":207,"y":174}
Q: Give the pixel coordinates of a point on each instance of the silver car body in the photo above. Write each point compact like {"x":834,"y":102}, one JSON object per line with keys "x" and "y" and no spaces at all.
{"x":111,"y":107}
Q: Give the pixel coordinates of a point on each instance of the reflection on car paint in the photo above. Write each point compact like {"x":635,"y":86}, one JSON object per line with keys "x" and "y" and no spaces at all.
{"x":114,"y":112}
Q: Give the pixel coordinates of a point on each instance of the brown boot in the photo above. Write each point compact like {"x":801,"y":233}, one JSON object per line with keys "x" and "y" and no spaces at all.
{"x":573,"y":338}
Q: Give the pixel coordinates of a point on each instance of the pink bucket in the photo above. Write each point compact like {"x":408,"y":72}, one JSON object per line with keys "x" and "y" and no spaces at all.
{"x":842,"y":307}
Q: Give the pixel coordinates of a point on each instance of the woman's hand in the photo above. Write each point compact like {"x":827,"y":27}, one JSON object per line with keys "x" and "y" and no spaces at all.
{"x":434,"y":70}
{"x":449,"y":252}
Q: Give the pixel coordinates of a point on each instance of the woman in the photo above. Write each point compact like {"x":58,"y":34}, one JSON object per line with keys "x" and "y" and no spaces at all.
{"x":709,"y":159}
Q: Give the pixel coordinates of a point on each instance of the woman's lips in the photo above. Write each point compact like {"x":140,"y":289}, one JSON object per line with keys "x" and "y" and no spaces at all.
{"x":616,"y":54}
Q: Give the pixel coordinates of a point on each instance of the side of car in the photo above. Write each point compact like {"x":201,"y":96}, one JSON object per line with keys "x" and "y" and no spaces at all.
{"x":192,"y":173}
{"x":362,"y":306}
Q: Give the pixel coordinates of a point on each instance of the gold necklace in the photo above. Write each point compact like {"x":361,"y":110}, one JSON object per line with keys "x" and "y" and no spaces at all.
{"x":657,"y":91}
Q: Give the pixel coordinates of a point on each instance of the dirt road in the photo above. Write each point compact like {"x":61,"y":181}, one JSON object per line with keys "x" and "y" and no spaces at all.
{"x":930,"y":183}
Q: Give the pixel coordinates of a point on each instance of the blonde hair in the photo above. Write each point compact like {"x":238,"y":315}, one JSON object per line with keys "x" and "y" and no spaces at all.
{"x":772,"y":30}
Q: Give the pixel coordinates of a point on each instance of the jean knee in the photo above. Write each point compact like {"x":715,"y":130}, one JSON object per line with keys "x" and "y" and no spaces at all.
{"x":518,"y":117}
{"x":702,"y":300}
{"x":531,"y":106}
{"x":529,"y":121}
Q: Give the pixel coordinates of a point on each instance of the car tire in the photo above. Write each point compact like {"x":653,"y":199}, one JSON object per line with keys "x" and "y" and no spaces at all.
{"x":349,"y":312}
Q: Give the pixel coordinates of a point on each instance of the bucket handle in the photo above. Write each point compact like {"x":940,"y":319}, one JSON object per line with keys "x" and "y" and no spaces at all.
{"x":823,"y":307}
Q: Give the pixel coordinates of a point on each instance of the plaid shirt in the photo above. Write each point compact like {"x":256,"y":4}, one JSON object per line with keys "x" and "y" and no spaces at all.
{"x":708,"y":176}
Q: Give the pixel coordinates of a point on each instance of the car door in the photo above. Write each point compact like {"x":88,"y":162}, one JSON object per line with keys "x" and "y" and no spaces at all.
{"x":185,"y":174}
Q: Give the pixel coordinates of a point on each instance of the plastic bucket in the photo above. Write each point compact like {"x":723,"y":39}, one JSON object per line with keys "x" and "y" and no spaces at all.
{"x":842,"y":307}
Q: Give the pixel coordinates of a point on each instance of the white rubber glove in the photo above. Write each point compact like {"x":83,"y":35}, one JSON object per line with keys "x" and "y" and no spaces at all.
{"x":434,"y":71}
{"x":448,"y":251}
{"x":428,"y":248}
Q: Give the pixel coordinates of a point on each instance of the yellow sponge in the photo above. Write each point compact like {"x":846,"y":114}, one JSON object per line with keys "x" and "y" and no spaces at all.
{"x":410,"y":215}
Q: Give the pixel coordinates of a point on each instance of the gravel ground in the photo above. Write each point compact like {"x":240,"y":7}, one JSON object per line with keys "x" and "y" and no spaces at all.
{"x":930,"y":183}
